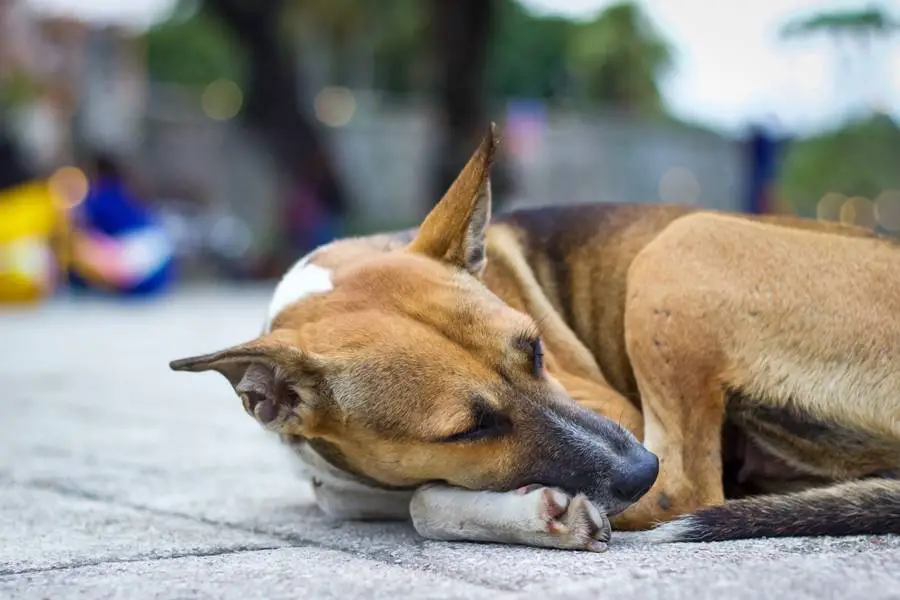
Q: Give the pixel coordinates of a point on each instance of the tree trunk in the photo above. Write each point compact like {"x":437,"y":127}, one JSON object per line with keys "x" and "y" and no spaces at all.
{"x":461,"y":33}
{"x":271,"y":106}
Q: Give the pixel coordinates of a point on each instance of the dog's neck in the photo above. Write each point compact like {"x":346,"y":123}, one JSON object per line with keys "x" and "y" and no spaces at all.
{"x":325,"y":464}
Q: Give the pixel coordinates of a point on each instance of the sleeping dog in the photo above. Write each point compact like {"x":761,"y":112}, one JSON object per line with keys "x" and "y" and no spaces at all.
{"x":557,"y":373}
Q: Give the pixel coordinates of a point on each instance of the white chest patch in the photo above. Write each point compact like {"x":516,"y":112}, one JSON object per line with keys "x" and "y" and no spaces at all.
{"x":301,"y":280}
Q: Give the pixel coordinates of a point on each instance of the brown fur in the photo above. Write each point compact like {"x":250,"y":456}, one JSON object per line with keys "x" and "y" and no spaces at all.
{"x":671,"y":321}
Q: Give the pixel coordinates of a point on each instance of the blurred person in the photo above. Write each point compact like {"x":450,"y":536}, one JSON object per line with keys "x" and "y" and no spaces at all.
{"x":31,"y":225}
{"x":309,"y":223}
{"x":119,"y":243}
{"x":764,"y":150}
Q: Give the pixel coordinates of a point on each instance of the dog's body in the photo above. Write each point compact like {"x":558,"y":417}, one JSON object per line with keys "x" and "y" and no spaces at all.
{"x":749,"y":354}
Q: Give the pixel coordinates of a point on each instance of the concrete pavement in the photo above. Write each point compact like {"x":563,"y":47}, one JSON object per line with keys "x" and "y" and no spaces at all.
{"x":121,"y":479}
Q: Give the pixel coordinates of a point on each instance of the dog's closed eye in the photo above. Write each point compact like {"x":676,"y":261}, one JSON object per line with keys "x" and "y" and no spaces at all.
{"x":488,"y":423}
{"x":532,"y":346}
{"x":537,"y":357}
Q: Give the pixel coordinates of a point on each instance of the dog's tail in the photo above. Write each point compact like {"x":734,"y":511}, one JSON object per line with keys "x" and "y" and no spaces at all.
{"x":869,"y":506}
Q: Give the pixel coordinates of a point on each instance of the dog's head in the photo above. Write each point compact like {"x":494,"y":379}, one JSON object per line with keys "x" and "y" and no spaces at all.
{"x":403,"y":368}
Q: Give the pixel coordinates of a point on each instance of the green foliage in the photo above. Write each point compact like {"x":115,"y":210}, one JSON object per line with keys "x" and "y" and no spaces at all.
{"x":614,"y":59}
{"x":860,"y":159}
{"x":528,"y":53}
{"x":618,"y":58}
{"x":16,"y":89}
{"x":193,"y":50}
{"x":400,"y":48}
{"x":867,"y":21}
{"x":394,"y":31}
{"x":340,"y":19}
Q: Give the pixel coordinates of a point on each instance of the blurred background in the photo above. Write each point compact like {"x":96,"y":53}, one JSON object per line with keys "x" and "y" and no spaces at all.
{"x":153,"y":143}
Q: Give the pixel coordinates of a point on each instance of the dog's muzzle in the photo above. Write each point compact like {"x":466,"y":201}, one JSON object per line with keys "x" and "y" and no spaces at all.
{"x":581,"y":452}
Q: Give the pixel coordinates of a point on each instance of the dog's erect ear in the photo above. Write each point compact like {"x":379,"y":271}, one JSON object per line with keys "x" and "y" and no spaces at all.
{"x":261,"y":368}
{"x":454,"y":230}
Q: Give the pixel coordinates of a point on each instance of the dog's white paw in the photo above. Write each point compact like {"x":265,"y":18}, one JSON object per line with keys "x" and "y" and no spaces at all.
{"x":573,"y":523}
{"x":533,"y":516}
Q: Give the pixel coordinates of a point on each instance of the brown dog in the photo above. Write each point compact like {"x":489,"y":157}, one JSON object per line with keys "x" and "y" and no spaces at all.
{"x":493,"y":380}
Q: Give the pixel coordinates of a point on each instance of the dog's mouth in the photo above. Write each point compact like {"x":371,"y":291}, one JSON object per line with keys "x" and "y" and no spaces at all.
{"x":609,"y":501}
{"x":615,"y":508}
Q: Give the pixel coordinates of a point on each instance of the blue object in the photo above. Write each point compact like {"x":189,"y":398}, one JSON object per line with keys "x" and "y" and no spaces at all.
{"x":763,"y":153}
{"x":110,"y":209}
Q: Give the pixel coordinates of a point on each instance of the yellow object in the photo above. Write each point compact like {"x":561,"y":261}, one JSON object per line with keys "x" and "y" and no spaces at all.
{"x":32,"y":220}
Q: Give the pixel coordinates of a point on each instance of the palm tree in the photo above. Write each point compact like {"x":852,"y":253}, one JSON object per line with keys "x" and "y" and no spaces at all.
{"x":851,"y":32}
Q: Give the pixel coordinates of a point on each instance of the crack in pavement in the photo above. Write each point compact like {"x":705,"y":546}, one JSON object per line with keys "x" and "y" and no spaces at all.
{"x":8,"y":574}
{"x":289,"y":540}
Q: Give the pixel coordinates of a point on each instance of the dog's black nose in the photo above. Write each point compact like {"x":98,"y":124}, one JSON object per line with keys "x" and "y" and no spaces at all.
{"x":637,"y":477}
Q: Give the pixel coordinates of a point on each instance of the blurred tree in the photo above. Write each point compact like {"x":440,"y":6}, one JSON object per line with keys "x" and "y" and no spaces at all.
{"x":860,"y":159}
{"x":855,"y":23}
{"x":618,"y":58}
{"x":402,"y":40}
{"x":272,"y":85}
{"x":401,"y":53}
{"x":528,"y":53}
{"x":854,"y":34}
{"x":213,"y":51}
{"x":466,"y":54}
{"x":366,"y":43}
{"x":243,"y":40}
{"x":460,"y":31}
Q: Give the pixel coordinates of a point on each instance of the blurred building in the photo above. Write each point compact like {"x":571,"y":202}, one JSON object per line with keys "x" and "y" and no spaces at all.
{"x":93,"y":92}
{"x":70,"y":78}
{"x":39,"y":65}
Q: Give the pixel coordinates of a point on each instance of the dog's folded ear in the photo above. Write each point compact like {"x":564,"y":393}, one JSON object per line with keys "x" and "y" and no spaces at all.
{"x":454,"y":230}
{"x":261,"y":367}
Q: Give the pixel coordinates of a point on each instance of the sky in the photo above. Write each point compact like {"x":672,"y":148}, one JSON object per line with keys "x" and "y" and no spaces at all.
{"x":730,"y":67}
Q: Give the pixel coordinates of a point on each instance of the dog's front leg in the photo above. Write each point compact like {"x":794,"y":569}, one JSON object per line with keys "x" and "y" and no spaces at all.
{"x":359,"y":503}
{"x":532,"y":516}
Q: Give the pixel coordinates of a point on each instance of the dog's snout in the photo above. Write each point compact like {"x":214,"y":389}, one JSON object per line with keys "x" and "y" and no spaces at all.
{"x":637,"y":477}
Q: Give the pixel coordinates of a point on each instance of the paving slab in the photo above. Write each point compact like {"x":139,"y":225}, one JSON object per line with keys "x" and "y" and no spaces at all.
{"x":120,"y":478}
{"x":44,"y":530}
{"x":289,"y":574}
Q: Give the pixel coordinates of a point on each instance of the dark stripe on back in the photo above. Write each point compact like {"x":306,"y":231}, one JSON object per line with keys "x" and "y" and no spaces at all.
{"x":555,"y":232}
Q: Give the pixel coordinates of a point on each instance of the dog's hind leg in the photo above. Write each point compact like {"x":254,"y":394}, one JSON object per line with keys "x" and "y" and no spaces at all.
{"x":798,"y":329}
{"x":683,"y":408}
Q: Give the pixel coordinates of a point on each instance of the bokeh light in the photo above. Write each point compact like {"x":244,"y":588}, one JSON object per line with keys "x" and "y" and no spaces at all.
{"x":829,"y":206}
{"x":69,"y":186}
{"x":222,"y":100}
{"x":335,"y":106}
{"x":858,"y":211}
{"x":887,"y":209}
{"x":679,"y":185}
